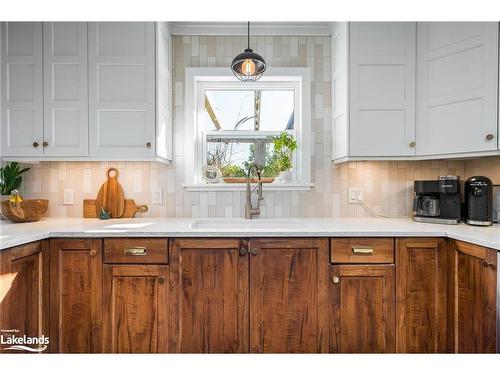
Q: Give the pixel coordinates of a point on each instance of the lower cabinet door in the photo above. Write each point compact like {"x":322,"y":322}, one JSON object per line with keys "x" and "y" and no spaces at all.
{"x":362,"y":310}
{"x":24,"y":293}
{"x":422,"y":267}
{"x":289,"y":295}
{"x":209,"y":296}
{"x":75,"y":295}
{"x":135,"y":309}
{"x":475,"y":275}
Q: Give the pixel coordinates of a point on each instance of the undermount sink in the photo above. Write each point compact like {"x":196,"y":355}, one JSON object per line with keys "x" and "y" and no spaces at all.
{"x":234,"y":224}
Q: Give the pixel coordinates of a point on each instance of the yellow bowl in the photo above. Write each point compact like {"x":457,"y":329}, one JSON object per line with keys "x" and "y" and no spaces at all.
{"x":27,"y":210}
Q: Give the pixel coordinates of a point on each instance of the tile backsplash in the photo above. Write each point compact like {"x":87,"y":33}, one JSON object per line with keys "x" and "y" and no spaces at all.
{"x":388,"y":186}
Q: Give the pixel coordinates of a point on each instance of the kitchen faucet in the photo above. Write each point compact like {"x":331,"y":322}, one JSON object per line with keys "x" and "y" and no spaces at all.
{"x":250,"y":212}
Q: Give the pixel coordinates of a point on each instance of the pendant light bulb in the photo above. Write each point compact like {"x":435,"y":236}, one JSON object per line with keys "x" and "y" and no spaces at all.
{"x":248,"y":67}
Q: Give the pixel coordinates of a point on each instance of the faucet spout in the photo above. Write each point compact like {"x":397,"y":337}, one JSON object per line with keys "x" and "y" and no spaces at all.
{"x":251,"y":211}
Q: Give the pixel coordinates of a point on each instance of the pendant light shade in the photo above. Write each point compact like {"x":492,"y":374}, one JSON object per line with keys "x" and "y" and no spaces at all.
{"x":248,"y":66}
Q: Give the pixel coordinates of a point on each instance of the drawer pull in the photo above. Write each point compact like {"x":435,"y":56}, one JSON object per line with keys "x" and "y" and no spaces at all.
{"x":362,"y":250}
{"x":139,"y":250}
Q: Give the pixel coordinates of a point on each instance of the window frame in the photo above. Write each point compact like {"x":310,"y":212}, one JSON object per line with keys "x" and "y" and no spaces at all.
{"x":199,"y":80}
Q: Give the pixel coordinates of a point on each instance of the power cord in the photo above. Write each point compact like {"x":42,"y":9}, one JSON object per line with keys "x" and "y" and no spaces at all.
{"x":378,"y":214}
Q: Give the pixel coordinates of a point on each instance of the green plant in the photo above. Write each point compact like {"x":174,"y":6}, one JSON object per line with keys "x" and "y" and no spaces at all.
{"x":10,"y":177}
{"x":284,"y":146}
{"x":233,"y":170}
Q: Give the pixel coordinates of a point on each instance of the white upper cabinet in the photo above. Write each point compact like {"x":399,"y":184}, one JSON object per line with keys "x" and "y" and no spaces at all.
{"x":65,"y":89}
{"x":374,"y":89}
{"x":457,"y":70}
{"x":122,"y":89}
{"x":21,"y":93}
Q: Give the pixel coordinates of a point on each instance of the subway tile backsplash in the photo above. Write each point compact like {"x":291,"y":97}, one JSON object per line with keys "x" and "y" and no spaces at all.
{"x":388,"y":185}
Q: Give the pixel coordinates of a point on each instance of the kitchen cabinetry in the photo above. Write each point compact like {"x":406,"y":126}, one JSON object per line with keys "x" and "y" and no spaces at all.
{"x":86,"y":91}
{"x":135,"y":308}
{"x":65,"y":129}
{"x":288,"y":295}
{"x":373,"y":89}
{"x":75,"y":295}
{"x":475,"y":280}
{"x":362,"y":301}
{"x":21,"y":89}
{"x":209,"y":296}
{"x":457,"y":84}
{"x":261,"y":295}
{"x":421,"y":295}
{"x":24,"y":291}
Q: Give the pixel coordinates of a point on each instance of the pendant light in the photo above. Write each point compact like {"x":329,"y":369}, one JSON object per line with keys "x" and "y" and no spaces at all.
{"x":248,"y":66}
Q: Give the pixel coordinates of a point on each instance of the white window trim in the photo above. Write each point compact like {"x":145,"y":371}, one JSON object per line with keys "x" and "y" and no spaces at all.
{"x":193,"y":147}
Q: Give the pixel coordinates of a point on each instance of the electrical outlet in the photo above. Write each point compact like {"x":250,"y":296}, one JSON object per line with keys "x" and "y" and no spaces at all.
{"x":68,"y":196}
{"x":355,"y":195}
{"x":157,"y":196}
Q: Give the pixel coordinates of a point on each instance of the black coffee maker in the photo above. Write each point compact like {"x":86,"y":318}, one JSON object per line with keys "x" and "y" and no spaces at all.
{"x":437,"y":201}
{"x":478,"y":201}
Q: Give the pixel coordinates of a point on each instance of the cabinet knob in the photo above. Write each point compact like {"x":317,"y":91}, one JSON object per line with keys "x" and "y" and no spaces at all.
{"x":35,"y":144}
{"x":336,"y":279}
{"x":148,"y":144}
{"x":490,"y":136}
{"x":45,"y":143}
{"x":253,"y":251}
{"x":93,"y":253}
{"x":161,"y":280}
{"x":413,"y":144}
{"x":243,"y":251}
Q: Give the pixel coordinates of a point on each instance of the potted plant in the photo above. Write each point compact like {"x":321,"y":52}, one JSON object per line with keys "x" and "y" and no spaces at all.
{"x":284,"y":146}
{"x":10,"y":178}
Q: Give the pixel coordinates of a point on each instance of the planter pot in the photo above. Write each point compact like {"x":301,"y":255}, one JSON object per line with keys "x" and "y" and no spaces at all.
{"x":285,"y":177}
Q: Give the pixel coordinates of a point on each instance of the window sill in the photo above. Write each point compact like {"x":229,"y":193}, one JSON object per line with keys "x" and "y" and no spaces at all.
{"x":242,"y":187}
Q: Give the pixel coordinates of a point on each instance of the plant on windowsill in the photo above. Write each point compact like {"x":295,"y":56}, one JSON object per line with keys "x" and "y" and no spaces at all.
{"x":284,"y":147}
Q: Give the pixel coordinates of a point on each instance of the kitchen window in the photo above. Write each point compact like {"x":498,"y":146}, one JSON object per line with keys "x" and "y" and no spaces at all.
{"x":230,"y":124}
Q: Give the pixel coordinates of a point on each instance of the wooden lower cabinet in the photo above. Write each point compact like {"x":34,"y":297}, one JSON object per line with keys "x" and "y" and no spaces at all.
{"x":288,"y":295}
{"x":475,"y":279}
{"x":75,"y":295}
{"x":209,"y":296}
{"x":421,"y":295}
{"x":135,"y":308}
{"x":24,"y":292}
{"x":362,"y":309}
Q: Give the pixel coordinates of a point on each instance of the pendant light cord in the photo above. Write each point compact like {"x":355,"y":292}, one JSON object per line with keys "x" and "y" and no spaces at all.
{"x":248,"y":35}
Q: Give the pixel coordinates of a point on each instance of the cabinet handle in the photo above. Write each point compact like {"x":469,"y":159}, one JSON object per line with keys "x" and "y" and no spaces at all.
{"x":35,"y":144}
{"x":148,"y":144}
{"x":362,"y":250}
{"x":136,"y":251}
{"x":93,"y":253}
{"x":490,"y":136}
{"x":253,"y":251}
{"x":161,"y":280}
{"x":45,"y":143}
{"x":336,"y":279}
{"x":413,"y":144}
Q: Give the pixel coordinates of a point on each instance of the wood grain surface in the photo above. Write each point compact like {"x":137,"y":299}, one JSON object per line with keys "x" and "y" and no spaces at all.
{"x":110,"y":195}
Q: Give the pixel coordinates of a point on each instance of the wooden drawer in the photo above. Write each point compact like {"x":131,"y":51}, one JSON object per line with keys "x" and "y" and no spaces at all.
{"x":136,"y":250}
{"x":362,"y":250}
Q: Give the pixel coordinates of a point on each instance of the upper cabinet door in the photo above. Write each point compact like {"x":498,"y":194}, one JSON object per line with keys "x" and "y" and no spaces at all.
{"x":122,"y":89}
{"x":457,"y":71}
{"x":65,"y":89}
{"x":21,"y":88}
{"x":382,"y":88}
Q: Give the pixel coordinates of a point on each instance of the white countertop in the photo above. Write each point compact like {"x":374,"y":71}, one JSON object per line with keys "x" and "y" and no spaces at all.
{"x":16,"y":234}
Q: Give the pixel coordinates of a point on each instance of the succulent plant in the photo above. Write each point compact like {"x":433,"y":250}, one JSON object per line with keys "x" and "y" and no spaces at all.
{"x":10,"y":177}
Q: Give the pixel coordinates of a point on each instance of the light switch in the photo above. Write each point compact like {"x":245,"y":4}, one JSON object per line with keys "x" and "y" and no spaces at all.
{"x":68,"y":196}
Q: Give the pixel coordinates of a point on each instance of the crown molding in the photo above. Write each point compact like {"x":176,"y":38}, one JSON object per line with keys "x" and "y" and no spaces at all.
{"x":256,"y":28}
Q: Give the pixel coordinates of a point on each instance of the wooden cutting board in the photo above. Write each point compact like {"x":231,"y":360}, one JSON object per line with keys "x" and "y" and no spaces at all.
{"x":131,"y":208}
{"x":111,"y":195}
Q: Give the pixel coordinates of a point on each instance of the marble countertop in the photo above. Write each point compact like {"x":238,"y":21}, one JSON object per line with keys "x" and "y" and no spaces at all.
{"x":16,"y":234}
